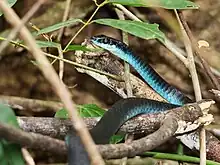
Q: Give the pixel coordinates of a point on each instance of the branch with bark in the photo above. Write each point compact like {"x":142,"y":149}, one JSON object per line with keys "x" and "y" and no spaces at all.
{"x":146,"y":123}
{"x":33,"y":105}
{"x":169,"y":124}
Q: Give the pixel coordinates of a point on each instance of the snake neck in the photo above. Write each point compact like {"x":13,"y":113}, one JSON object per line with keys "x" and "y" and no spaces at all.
{"x":152,"y":78}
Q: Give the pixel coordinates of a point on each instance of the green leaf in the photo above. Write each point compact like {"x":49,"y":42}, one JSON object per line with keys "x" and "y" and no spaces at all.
{"x":116,"y":139}
{"x":44,"y":44}
{"x":139,"y":29}
{"x":86,"y":110}
{"x":8,"y":116}
{"x":58,"y":26}
{"x":1,"y":152}
{"x":11,"y":3}
{"x":10,"y":154}
{"x":90,"y":110}
{"x":78,"y":47}
{"x":168,"y":4}
{"x":62,"y":114}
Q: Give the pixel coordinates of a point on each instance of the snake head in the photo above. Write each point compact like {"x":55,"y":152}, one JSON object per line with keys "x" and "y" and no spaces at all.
{"x":100,"y":39}
{"x":110,"y":44}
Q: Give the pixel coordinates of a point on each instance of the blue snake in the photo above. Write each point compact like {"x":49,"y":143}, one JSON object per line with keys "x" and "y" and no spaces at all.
{"x":125,"y":109}
{"x":151,"y":77}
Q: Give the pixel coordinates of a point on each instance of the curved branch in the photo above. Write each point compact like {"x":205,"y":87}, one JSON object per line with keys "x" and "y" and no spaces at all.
{"x":146,"y":123}
{"x":147,"y":143}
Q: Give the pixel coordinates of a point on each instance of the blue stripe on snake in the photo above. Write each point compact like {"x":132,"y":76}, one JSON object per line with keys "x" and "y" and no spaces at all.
{"x":151,"y":77}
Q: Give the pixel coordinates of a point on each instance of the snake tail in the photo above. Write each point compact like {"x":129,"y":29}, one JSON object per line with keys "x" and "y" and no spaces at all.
{"x":77,"y":154}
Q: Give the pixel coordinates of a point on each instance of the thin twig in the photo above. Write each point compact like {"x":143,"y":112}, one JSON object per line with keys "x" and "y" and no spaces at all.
{"x":87,"y":23}
{"x":126,"y":65}
{"x":191,"y":65}
{"x":25,"y":19}
{"x":57,"y":85}
{"x":196,"y":86}
{"x":44,"y":35}
{"x":61,"y":63}
{"x":65,"y":17}
{"x":198,"y":51}
{"x":126,"y":74}
{"x":85,"y":67}
{"x":27,"y":156}
{"x":115,"y":77}
{"x":14,"y":43}
{"x":61,"y":31}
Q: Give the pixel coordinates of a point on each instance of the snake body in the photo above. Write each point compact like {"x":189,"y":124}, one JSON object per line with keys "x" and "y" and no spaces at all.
{"x":125,"y":109}
{"x":128,"y":108}
{"x":151,"y":77}
{"x":122,"y":111}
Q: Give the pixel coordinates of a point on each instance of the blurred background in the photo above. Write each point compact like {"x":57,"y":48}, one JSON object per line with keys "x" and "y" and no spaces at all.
{"x":19,"y":77}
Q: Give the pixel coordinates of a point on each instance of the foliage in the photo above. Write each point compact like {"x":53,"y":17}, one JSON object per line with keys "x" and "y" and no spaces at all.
{"x":86,"y":110}
{"x":167,"y":4}
{"x":10,"y":154}
{"x":89,"y":110}
{"x":137,"y":28}
{"x":58,"y":26}
{"x":140,"y":29}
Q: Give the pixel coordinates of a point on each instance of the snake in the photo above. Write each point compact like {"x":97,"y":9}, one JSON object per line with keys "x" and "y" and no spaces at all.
{"x":128,"y":108}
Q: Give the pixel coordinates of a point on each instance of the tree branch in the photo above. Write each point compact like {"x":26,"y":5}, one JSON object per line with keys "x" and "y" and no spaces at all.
{"x":146,"y":123}
{"x":32,"y":140}
{"x":33,"y":105}
{"x":169,"y":125}
{"x":103,"y":61}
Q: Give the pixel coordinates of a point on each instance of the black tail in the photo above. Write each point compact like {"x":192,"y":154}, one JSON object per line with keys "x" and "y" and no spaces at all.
{"x":77,"y":154}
